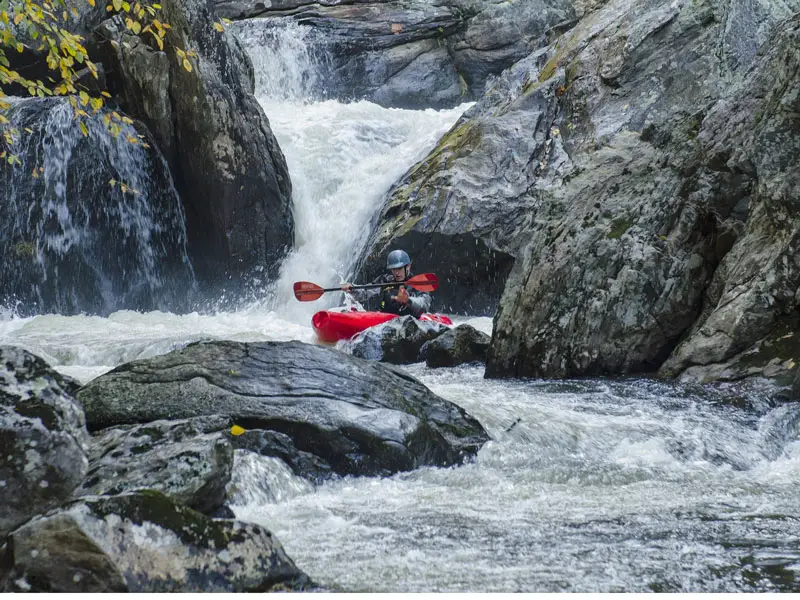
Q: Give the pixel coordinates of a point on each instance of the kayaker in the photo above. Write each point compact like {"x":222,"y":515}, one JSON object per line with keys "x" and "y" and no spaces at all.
{"x":396,"y":299}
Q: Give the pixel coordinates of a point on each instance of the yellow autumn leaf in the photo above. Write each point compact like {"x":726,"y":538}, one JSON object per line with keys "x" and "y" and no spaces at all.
{"x":136,"y":27}
{"x":236,"y":430}
{"x":91,"y":3}
{"x":84,"y":130}
{"x":187,"y":65}
{"x":219,"y":27}
{"x":117,"y":4}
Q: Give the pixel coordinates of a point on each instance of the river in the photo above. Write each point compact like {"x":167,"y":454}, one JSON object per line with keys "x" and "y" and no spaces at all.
{"x":586,"y":486}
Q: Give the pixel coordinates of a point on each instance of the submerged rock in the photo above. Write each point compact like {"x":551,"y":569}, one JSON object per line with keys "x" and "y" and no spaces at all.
{"x":143,"y":542}
{"x":43,"y":437}
{"x":359,"y":417}
{"x":189,"y":460}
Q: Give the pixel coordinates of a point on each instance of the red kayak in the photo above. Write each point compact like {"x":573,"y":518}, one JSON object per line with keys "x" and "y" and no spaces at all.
{"x":332,"y":326}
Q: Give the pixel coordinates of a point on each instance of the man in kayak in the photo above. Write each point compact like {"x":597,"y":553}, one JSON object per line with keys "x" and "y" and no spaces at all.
{"x":396,"y":299}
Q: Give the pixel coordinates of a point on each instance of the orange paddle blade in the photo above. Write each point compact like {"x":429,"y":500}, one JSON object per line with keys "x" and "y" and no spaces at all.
{"x":424,"y":282}
{"x":305,"y":291}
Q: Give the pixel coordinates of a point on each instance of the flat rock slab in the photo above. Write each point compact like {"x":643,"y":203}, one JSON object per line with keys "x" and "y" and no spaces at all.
{"x":360,"y":417}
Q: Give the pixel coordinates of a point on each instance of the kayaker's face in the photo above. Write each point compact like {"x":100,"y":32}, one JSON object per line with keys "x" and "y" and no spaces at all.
{"x":399,"y":274}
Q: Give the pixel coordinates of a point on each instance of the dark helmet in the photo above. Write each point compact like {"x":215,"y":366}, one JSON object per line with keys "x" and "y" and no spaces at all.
{"x":397,"y":259}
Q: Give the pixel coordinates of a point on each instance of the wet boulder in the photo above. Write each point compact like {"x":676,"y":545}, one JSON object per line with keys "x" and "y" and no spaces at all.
{"x":462,"y":344}
{"x":397,"y":341}
{"x":360,"y":417}
{"x":143,"y":542}
{"x":43,"y":437}
{"x":224,"y":158}
{"x":189,"y":460}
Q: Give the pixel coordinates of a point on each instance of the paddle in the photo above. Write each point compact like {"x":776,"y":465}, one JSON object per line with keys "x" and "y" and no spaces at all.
{"x":305,"y":291}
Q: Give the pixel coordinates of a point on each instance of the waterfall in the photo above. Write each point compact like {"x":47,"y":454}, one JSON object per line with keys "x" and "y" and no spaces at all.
{"x":342,"y":157}
{"x":92,"y":222}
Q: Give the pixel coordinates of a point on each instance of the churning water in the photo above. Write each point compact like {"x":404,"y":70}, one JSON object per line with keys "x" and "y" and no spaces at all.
{"x":630,"y":485}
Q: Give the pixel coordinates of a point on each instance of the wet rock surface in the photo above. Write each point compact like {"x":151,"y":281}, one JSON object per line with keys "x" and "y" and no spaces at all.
{"x":189,"y":460}
{"x":143,"y":542}
{"x":397,"y":341}
{"x":43,"y":437}
{"x":456,"y":346}
{"x":360,"y":417}
{"x":416,"y":54}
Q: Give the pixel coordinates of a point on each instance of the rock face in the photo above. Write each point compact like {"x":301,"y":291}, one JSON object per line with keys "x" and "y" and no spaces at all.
{"x":89,"y":193}
{"x":626,"y":171}
{"x":43,"y":437}
{"x":189,"y":460}
{"x":462,"y":344}
{"x":359,"y":417}
{"x":616,"y":282}
{"x":225,"y":161}
{"x":413,"y":54}
{"x":754,"y":131}
{"x":143,"y":542}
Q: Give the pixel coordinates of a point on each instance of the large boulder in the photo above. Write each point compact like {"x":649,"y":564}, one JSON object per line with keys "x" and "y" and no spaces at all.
{"x":143,"y":542}
{"x":189,"y":460}
{"x":72,"y":199}
{"x":359,"y":417}
{"x":43,"y":438}
{"x":224,"y":158}
{"x":410,"y":54}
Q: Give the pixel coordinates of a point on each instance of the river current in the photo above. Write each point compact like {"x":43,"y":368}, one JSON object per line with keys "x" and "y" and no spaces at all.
{"x":586,"y":486}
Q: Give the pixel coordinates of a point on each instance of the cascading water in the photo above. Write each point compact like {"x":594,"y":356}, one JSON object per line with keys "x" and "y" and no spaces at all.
{"x":342,"y":157}
{"x":585,"y":486}
{"x":74,"y":197}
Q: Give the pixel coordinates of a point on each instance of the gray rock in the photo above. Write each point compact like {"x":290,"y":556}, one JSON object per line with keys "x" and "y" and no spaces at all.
{"x":616,"y":282}
{"x":234,"y":181}
{"x":459,"y":345}
{"x":753,"y":132}
{"x":43,"y":437}
{"x":58,"y":226}
{"x":359,"y":417}
{"x":397,"y":341}
{"x":189,"y":460}
{"x":143,"y":542}
{"x":413,"y":54}
{"x":618,"y":171}
{"x":279,"y":445}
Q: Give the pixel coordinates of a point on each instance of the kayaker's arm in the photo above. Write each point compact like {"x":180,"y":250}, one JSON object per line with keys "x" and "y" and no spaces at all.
{"x":419,"y":303}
